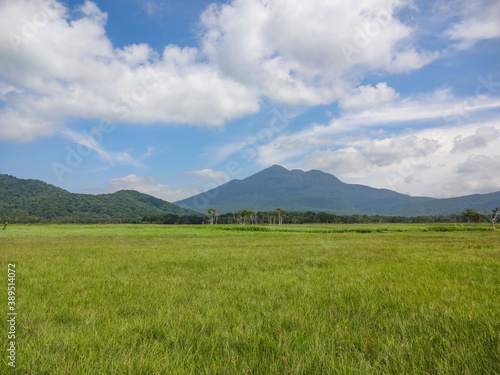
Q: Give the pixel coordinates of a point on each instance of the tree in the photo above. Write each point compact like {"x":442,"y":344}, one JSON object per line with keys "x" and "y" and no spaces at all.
{"x":242,"y":216}
{"x":280,"y":212}
{"x":253,"y":217}
{"x":213,"y":215}
{"x":471,"y":215}
{"x":270,"y":217}
{"x":493,"y":217}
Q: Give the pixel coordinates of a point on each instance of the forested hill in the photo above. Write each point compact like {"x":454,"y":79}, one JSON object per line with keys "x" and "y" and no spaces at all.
{"x":36,"y":201}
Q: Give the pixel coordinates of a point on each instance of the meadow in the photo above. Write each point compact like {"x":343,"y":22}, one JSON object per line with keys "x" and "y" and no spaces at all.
{"x":310,"y":299}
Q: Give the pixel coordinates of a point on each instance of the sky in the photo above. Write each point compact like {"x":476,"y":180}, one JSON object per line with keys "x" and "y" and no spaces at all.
{"x":172,"y":98}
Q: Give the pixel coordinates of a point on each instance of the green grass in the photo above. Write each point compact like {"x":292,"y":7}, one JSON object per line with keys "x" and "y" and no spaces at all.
{"x":312,"y":299}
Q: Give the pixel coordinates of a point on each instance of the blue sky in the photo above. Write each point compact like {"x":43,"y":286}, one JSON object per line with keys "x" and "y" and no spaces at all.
{"x":172,"y":98}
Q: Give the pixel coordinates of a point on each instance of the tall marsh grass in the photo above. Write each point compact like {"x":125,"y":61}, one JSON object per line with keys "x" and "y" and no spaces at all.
{"x":125,"y":299}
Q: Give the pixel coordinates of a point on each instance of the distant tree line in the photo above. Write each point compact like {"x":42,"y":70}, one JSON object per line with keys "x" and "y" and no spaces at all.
{"x":283,"y":217}
{"x":248,"y":217}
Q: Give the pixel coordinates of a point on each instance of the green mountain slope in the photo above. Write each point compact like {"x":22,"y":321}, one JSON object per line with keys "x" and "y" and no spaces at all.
{"x":322,"y":192}
{"x":33,"y":200}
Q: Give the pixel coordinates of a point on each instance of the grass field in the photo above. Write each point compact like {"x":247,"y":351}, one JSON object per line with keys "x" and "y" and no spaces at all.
{"x":381,"y":299}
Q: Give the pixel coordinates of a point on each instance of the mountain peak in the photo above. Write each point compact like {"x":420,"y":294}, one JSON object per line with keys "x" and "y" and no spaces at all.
{"x":276,"y":168}
{"x":317,"y":191}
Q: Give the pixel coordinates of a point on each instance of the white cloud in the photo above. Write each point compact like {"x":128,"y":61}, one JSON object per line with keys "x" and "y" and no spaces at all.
{"x":6,"y":89}
{"x":377,"y":153}
{"x":339,"y":161}
{"x":68,"y":68}
{"x":151,"y":186}
{"x":149,"y":152}
{"x":210,"y":174}
{"x":392,"y":150}
{"x":25,"y":128}
{"x":480,"y":139}
{"x":477,"y":174}
{"x":421,"y":164}
{"x":152,"y":7}
{"x":479,"y":21}
{"x":289,"y":51}
{"x":299,"y":51}
{"x":368,"y":97}
{"x":439,"y":106}
{"x":409,"y":60}
{"x":91,"y":141}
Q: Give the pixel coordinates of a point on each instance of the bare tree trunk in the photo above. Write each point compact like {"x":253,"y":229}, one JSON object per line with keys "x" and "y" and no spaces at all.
{"x":493,"y":217}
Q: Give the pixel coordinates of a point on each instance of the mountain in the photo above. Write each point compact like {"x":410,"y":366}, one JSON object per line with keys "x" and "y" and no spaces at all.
{"x":33,"y":200}
{"x":317,"y":191}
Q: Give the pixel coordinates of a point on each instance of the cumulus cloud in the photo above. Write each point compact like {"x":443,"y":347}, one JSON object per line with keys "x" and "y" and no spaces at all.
{"x":477,"y":174}
{"x":67,"y":68}
{"x":377,"y":153}
{"x":368,"y":97}
{"x":410,"y":59}
{"x":339,"y":161}
{"x":62,"y":67}
{"x":26,"y":128}
{"x":298,"y":51}
{"x":151,"y":186}
{"x":393,"y":150}
{"x":480,"y":139}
